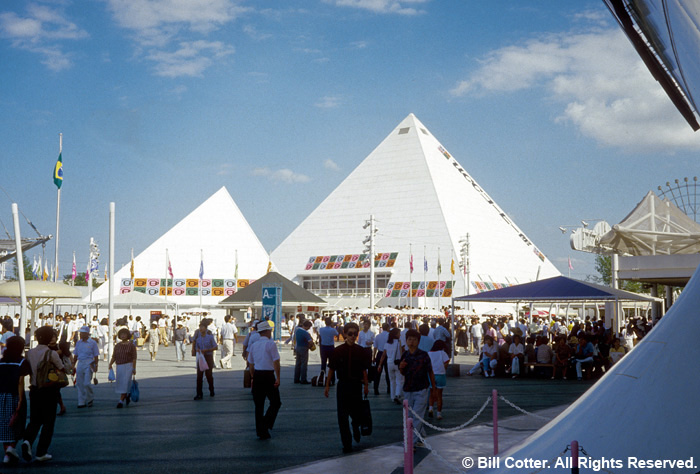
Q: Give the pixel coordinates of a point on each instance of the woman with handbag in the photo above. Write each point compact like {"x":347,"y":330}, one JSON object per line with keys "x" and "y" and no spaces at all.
{"x":125,"y":357}
{"x":42,"y":397}
{"x":13,"y":407}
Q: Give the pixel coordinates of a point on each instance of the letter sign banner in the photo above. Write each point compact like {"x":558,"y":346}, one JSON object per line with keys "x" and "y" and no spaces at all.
{"x":272,"y":307}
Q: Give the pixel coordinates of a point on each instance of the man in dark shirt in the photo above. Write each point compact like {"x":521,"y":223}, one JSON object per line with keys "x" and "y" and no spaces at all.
{"x":417,"y":370}
{"x":350,"y":365}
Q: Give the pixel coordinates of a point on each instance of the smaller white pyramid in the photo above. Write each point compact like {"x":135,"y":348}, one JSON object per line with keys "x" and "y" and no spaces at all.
{"x":215,"y":230}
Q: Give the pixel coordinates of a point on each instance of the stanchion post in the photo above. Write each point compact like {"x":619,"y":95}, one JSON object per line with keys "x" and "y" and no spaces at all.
{"x":574,"y":457}
{"x":408,"y":449}
{"x":494,"y":399}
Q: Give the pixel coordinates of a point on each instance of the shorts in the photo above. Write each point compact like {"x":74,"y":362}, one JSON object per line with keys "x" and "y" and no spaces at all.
{"x":440,"y":381}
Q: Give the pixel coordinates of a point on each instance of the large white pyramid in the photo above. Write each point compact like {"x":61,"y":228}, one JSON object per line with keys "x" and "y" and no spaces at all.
{"x":218,"y":228}
{"x":424,"y":203}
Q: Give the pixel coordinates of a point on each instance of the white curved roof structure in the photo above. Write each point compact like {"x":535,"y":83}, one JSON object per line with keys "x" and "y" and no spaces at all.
{"x":654,"y":227}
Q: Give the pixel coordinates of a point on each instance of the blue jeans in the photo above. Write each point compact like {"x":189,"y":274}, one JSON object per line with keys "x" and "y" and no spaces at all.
{"x":419,"y":402}
{"x":180,"y":350}
{"x":486,"y":365}
{"x":301,"y":364}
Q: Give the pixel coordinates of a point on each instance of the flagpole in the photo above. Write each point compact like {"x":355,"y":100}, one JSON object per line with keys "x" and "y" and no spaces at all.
{"x":410,"y":276}
{"x":167,"y":266}
{"x":425,"y":285}
{"x":439,"y":269}
{"x":201,"y":260}
{"x":58,"y":212}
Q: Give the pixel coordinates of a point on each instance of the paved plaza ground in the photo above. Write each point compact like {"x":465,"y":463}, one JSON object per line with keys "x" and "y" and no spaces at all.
{"x":169,"y":432}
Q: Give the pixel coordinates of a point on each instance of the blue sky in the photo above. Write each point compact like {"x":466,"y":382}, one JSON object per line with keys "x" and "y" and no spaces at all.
{"x":162,"y":102}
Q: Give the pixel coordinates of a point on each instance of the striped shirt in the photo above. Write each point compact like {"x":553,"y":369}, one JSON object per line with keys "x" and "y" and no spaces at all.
{"x":124,"y":353}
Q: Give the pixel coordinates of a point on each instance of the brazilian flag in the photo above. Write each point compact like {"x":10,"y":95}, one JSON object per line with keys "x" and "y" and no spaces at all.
{"x":58,"y":172}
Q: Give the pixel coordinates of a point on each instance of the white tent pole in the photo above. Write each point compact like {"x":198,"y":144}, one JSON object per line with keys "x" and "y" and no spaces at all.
{"x":20,"y":276}
{"x":410,"y":276}
{"x":110,"y":331}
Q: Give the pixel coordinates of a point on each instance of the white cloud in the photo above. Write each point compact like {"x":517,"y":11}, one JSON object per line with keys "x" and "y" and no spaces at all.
{"x":42,"y":32}
{"x":251,"y":31}
{"x":281,"y":175}
{"x":604,"y":88}
{"x":190,"y":59}
{"x":157,"y":24}
{"x":224,"y":169}
{"x":382,"y":6}
{"x":359,"y":44}
{"x":328,"y":102}
{"x":331,"y":165}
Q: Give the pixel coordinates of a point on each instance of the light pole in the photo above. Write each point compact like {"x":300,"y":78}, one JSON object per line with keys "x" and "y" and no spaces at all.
{"x":369,"y":249}
{"x":464,"y":264}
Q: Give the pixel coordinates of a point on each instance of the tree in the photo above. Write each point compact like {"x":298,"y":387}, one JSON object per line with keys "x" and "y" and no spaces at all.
{"x":27,"y":269}
{"x":79,"y":280}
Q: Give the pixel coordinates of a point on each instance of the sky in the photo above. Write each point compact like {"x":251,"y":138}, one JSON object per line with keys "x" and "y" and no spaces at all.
{"x":162,"y":102}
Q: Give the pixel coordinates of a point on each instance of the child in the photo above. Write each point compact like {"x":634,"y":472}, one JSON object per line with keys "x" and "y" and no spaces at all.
{"x":439,"y":361}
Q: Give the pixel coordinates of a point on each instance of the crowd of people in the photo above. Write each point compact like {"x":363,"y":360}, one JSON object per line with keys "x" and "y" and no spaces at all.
{"x":357,"y":352}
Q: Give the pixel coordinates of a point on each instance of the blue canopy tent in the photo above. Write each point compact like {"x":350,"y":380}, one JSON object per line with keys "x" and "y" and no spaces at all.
{"x":556,"y":290}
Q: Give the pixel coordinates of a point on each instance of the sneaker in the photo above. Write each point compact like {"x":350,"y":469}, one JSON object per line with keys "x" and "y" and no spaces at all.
{"x":27,"y":451}
{"x":430,"y":413}
{"x":198,"y":397}
{"x":120,"y":405}
{"x":45,"y":457}
{"x":12,"y":452}
{"x":439,"y":415}
{"x":6,"y":459}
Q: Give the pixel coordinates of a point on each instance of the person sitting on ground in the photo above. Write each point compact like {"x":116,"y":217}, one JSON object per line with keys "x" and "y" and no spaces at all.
{"x":562,"y":353}
{"x":544,"y":355}
{"x":516,"y":352}
{"x":616,"y":351}
{"x":530,"y":351}
{"x":583,"y":354}
{"x":504,"y":360}
{"x":489,"y":356}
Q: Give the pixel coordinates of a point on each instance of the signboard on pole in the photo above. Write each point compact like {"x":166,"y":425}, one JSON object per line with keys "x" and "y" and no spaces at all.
{"x":272,"y":307}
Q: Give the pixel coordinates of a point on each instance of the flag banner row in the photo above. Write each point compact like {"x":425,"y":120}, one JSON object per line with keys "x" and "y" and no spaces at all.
{"x":420,"y":285}
{"x":434,"y":293}
{"x":334,"y":262}
{"x":184,"y":286}
{"x":481,"y":286}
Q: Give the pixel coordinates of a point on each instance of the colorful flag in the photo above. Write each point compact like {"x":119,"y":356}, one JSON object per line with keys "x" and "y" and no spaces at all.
{"x":34,"y":268}
{"x":170,"y":268}
{"x":131,"y":270}
{"x":452,"y":266}
{"x":425,"y":264}
{"x":269,"y":266}
{"x":39,"y":270}
{"x":58,"y":172}
{"x":87,"y":272}
{"x":439,"y":265}
{"x":74,"y":272}
{"x":46,"y":272}
{"x":571,"y":267}
{"x":411,"y":263}
{"x":201,"y":269}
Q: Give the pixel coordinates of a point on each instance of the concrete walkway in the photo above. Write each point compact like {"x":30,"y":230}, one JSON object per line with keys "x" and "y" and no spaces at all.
{"x":169,"y":432}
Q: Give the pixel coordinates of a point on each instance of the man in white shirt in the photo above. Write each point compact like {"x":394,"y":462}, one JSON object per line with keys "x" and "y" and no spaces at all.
{"x":85,"y":358}
{"x":477,"y":331}
{"x":264,"y":361}
{"x":366,"y":339}
{"x":228,"y":342}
